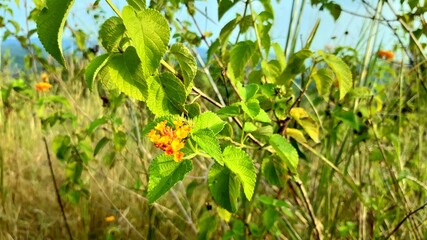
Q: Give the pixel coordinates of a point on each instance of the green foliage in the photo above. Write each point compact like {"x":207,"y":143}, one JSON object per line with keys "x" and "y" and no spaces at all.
{"x":125,"y":72}
{"x":285,"y":151}
{"x":206,"y":139}
{"x":224,"y":187}
{"x":242,"y":165}
{"x":187,"y":63}
{"x":149,"y":33}
{"x":342,"y":72}
{"x":164,"y":174}
{"x":208,"y":120}
{"x":166,"y":94}
{"x":50,"y":27}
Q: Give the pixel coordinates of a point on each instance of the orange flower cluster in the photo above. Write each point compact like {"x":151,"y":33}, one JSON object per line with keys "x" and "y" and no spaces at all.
{"x":387,"y":55}
{"x":43,"y":86}
{"x":169,"y":140}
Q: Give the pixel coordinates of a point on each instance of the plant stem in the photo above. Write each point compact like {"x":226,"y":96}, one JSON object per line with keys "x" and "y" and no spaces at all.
{"x":113,"y":7}
{"x":58,"y":196}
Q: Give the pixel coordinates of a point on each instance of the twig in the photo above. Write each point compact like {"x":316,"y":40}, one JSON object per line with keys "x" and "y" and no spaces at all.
{"x":56,"y":189}
{"x":404,"y":219}
{"x":317,"y":227}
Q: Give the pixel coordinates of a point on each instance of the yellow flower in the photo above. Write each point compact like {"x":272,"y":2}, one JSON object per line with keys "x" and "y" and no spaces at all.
{"x":44,"y":77}
{"x":43,"y":86}
{"x":170,"y":140}
{"x":178,"y":156}
{"x":110,"y":219}
{"x":183,"y":132}
{"x":177,"y":145}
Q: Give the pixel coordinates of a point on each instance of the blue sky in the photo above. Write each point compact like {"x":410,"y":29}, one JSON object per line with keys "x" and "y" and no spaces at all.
{"x":328,"y":27}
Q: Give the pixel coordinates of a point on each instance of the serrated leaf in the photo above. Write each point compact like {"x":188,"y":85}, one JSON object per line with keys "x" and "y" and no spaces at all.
{"x":206,"y":139}
{"x":306,"y":122}
{"x":274,"y":170}
{"x":94,"y":67}
{"x":240,"y":56}
{"x":50,"y":27}
{"x":208,"y":120}
{"x":323,"y":78}
{"x":166,"y":95}
{"x":164,"y":174}
{"x":149,"y":32}
{"x":240,"y":164}
{"x":187,"y":62}
{"x":137,"y":4}
{"x":341,"y":70}
{"x":125,"y":71}
{"x":285,"y":151}
{"x":296,"y":134}
{"x":224,"y":187}
{"x":112,"y":31}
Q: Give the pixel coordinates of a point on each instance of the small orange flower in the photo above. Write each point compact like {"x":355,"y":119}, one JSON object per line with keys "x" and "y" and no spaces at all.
{"x":110,"y":219}
{"x":43,"y":86}
{"x":170,"y":140}
{"x":387,"y":55}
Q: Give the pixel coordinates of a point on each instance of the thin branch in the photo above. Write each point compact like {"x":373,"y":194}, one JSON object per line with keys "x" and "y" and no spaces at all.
{"x":58,"y":196}
{"x":317,"y":227}
{"x":404,"y":219}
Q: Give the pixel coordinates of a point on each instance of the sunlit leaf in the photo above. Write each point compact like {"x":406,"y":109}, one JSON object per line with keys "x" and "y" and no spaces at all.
{"x":164,"y":174}
{"x":50,"y":27}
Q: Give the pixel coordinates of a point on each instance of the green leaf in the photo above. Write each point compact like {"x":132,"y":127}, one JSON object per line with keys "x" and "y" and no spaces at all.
{"x":50,"y":27}
{"x":229,"y":111}
{"x":251,"y":108}
{"x":100,"y":145}
{"x":206,"y":139}
{"x":94,"y":67}
{"x":137,"y":4}
{"x":274,"y":170}
{"x":348,"y":117}
{"x":295,"y":66}
{"x":149,"y":32}
{"x":164,"y":174}
{"x":166,"y":95}
{"x":334,"y":9}
{"x":187,"y":62}
{"x":224,"y":6}
{"x":125,"y":72}
{"x":249,"y":127}
{"x":208,"y":120}
{"x":271,"y":69}
{"x":324,"y":78}
{"x":341,"y":70}
{"x":240,"y":56}
{"x":224,"y":187}
{"x":248,"y":91}
{"x":286,"y":151}
{"x":269,"y":217}
{"x":280,"y":56}
{"x":239,"y":163}
{"x":306,"y":122}
{"x":111,"y":33}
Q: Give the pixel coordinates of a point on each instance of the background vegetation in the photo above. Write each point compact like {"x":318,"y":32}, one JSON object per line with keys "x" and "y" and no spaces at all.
{"x":75,"y":163}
